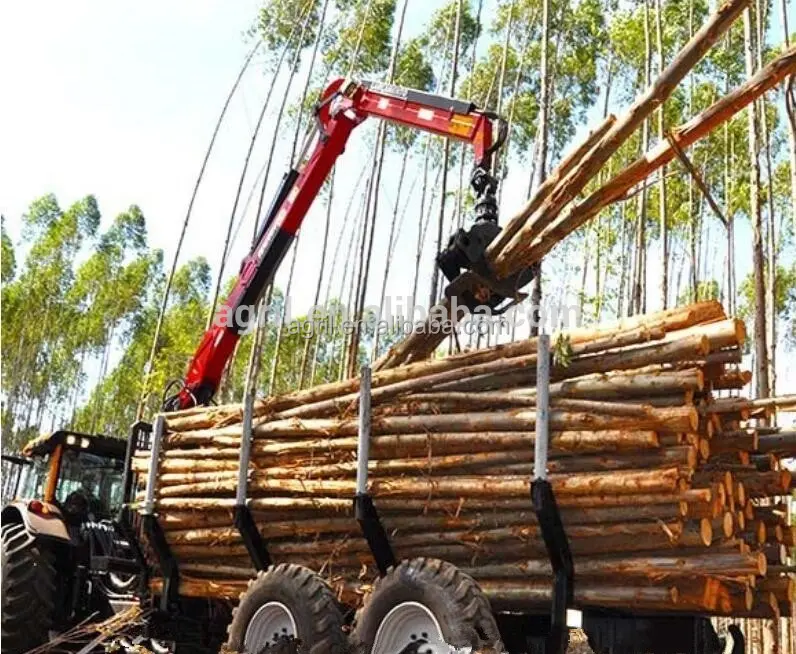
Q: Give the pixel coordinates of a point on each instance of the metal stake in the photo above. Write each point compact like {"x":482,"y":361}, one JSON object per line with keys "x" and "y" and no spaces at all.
{"x":542,"y":406}
{"x":245,"y":450}
{"x":154,"y":461}
{"x":363,"y":442}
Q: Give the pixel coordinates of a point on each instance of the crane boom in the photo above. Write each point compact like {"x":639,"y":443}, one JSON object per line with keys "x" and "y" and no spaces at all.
{"x":345,"y":104}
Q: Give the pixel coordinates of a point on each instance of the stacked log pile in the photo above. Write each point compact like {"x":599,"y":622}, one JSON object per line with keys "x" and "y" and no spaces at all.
{"x":668,"y":494}
{"x":669,"y":491}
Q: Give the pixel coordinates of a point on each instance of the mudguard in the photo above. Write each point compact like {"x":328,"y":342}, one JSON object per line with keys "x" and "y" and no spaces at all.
{"x":47,"y":525}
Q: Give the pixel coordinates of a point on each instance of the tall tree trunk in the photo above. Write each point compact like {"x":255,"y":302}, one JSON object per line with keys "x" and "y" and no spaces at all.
{"x":167,"y":291}
{"x":390,"y":245}
{"x":624,"y":242}
{"x":424,"y":222}
{"x":312,"y":338}
{"x":354,"y":266}
{"x":106,"y":355}
{"x":640,"y":282}
{"x":790,"y":117}
{"x":327,"y":294}
{"x":421,"y":225}
{"x":379,"y":160}
{"x":446,"y":153}
{"x":278,"y":122}
{"x":225,"y":250}
{"x":695,"y":225}
{"x":730,"y":213}
{"x":664,"y":225}
{"x":584,"y":273}
{"x":771,"y":269}
{"x":468,"y":93}
{"x":500,"y":159}
{"x":758,"y":260}
{"x":269,"y":160}
{"x":307,"y":80}
{"x":283,"y":314}
{"x":541,"y":149}
{"x":504,"y":155}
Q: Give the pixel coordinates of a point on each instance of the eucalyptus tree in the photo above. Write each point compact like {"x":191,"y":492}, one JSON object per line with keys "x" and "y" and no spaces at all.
{"x":8,"y":263}
{"x":762,"y":386}
{"x":119,"y":391}
{"x":107,"y":291}
{"x":412,"y":70}
{"x":37,"y":317}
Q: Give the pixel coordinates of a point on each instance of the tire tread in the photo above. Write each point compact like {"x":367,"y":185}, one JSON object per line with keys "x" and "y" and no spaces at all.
{"x":28,"y":589}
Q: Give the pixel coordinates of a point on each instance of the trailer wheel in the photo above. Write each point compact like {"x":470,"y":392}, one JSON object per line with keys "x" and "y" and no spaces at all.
{"x":422,"y":606}
{"x":287,"y":609}
{"x":28,"y":586}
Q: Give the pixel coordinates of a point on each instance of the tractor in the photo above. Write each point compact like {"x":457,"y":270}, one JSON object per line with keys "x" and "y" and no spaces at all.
{"x":63,"y":558}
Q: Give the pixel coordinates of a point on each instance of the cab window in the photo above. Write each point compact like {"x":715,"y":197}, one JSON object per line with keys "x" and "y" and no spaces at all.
{"x":98,"y":479}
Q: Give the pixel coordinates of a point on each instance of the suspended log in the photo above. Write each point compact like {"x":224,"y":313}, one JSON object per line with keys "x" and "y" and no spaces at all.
{"x":663,"y":153}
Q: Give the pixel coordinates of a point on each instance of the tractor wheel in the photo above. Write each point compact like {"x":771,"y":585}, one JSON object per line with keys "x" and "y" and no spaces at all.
{"x":286,"y":610}
{"x":424,"y":606}
{"x":28,"y":586}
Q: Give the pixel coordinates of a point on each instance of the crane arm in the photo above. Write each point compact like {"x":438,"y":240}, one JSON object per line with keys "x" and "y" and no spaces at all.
{"x":344,"y":105}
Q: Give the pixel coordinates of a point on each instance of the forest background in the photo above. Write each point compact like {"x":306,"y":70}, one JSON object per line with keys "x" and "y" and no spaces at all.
{"x":111,"y":116}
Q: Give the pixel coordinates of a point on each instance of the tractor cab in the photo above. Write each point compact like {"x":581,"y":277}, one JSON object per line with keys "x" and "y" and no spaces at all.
{"x":63,"y":558}
{"x":79,"y":474}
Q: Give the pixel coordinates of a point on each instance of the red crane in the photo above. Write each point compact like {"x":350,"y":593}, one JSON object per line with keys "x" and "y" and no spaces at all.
{"x":344,"y":105}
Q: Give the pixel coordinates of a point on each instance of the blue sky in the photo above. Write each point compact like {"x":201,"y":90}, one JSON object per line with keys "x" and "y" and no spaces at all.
{"x":120,"y":104}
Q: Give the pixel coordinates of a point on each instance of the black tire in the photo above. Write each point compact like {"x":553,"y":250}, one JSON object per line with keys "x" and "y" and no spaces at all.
{"x":28,"y":586}
{"x":311,"y":602}
{"x":454,"y":598}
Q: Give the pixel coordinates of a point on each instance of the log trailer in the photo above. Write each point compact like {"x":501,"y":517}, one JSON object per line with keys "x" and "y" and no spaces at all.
{"x":419,"y":605}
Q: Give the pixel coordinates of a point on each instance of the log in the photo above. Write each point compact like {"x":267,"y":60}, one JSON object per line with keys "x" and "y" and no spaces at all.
{"x":507,"y":259}
{"x":551,"y":181}
{"x":731,"y":380}
{"x":743,"y":440}
{"x":670,"y":419}
{"x":623,"y":482}
{"x":727,"y":564}
{"x":504,"y":595}
{"x":714,"y":596}
{"x":685,"y":135}
{"x":782,"y":444}
{"x":587,"y":363}
{"x":391,"y":445}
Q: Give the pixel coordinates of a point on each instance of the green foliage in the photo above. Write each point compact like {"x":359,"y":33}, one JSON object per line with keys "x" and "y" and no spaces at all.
{"x":360,"y":37}
{"x":706,"y":290}
{"x":784,"y":300}
{"x":80,"y":301}
{"x":277,"y":26}
{"x":438,"y":36}
{"x":57,"y":314}
{"x":413,"y":71}
{"x":8,"y":261}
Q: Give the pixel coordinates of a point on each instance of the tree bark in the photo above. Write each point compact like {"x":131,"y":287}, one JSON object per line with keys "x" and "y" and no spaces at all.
{"x":662,"y":217}
{"x":758,"y":259}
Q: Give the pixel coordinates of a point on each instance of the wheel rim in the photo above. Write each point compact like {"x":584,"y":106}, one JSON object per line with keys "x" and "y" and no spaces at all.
{"x":409,"y":624}
{"x":272,"y":622}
